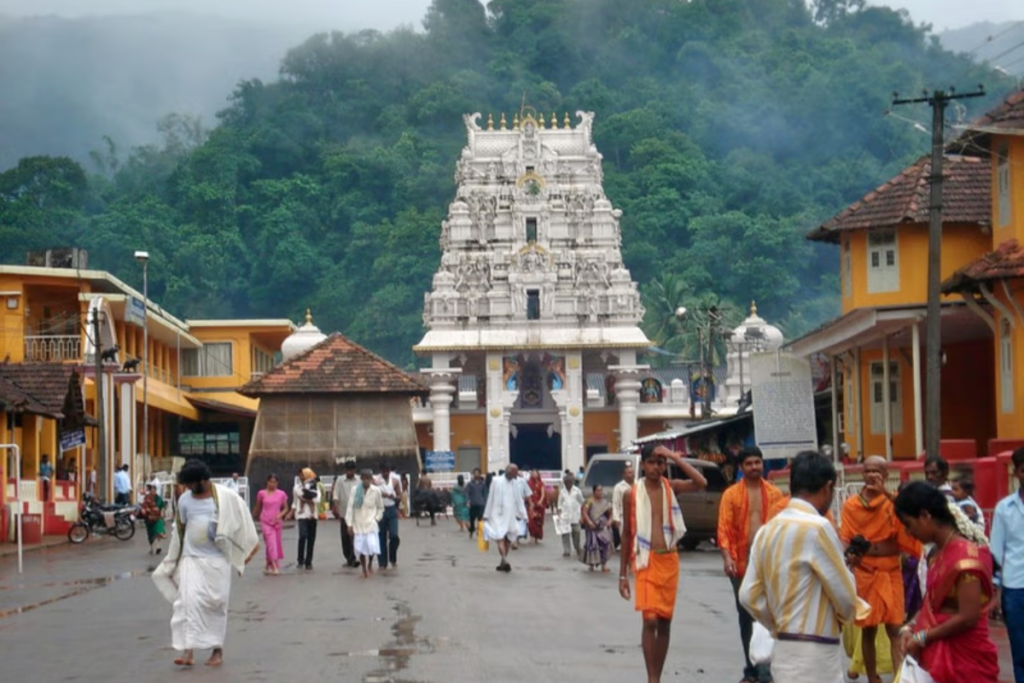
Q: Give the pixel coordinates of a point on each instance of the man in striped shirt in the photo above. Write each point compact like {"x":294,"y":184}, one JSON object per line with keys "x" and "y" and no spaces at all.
{"x":797,"y":583}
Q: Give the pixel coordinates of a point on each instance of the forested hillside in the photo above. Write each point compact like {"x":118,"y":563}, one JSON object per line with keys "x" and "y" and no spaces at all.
{"x":729,"y":129}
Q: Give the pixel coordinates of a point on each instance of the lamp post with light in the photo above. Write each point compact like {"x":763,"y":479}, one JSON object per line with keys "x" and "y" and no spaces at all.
{"x":143,"y":258}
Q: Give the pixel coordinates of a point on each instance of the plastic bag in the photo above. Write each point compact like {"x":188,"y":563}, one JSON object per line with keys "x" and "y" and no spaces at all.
{"x":911,"y":672}
{"x":761,"y":645}
{"x":481,"y":539}
{"x":562,"y":527}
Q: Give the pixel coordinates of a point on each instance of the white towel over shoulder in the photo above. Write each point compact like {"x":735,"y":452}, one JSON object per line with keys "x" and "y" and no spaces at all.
{"x":673,"y":526}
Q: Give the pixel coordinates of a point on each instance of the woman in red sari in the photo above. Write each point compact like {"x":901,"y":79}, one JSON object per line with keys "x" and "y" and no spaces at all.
{"x":538,"y":502}
{"x":950,"y":637}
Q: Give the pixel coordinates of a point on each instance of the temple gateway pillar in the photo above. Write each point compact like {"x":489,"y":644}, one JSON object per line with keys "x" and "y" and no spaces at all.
{"x":570,"y":400}
{"x":627,"y":395}
{"x":442,"y":390}
{"x":501,"y":397}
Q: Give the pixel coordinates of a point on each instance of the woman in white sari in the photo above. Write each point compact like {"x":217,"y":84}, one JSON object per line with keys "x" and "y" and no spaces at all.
{"x":213,"y":534}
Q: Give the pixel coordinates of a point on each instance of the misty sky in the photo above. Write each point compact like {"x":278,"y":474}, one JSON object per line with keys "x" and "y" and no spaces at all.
{"x":383,"y":14}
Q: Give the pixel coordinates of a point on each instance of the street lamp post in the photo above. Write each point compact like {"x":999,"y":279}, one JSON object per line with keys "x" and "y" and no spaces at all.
{"x":706,"y":330}
{"x":143,"y":258}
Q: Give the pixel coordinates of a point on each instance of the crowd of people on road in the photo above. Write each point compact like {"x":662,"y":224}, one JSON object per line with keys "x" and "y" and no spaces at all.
{"x":905,"y":581}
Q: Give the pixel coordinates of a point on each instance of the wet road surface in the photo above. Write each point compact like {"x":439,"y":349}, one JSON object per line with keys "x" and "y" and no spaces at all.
{"x":91,"y":613}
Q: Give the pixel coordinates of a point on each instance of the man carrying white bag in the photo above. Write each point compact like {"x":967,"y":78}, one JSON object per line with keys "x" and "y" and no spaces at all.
{"x":800,"y":553}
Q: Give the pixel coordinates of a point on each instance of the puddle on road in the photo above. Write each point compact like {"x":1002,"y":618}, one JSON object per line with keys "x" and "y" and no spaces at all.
{"x":79,"y":587}
{"x":395,"y":656}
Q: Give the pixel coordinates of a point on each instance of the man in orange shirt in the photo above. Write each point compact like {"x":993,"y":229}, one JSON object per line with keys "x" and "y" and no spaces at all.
{"x":744,"y":509}
{"x":871,"y":515}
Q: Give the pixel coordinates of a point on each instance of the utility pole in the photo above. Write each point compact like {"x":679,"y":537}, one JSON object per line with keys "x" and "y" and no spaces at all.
{"x":938,"y":101}
{"x":101,"y":432}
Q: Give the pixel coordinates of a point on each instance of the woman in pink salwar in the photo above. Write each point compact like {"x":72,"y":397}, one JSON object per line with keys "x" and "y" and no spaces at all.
{"x":271,"y":506}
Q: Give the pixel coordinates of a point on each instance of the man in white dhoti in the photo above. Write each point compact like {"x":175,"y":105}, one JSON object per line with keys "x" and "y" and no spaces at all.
{"x":213,"y":534}
{"x":365,"y":510}
{"x":797,"y":583}
{"x":505,"y":508}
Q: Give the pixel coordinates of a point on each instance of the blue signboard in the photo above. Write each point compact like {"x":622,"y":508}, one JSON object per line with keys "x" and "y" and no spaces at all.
{"x":135,"y":312}
{"x":72,"y":439}
{"x":440,"y":461}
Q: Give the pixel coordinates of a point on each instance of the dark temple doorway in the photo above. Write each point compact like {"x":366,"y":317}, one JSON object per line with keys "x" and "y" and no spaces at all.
{"x":532,"y":449}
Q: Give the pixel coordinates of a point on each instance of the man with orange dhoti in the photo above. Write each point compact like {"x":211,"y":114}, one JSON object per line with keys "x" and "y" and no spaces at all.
{"x":745,"y":506}
{"x":875,"y":559}
{"x":652,"y":526}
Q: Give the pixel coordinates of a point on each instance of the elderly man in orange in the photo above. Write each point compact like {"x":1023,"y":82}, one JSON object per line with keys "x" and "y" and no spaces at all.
{"x":744,"y":509}
{"x":874,"y":538}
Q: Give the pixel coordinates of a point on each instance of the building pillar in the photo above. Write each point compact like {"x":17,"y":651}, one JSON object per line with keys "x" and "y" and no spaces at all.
{"x":500,"y":399}
{"x":886,"y":398}
{"x":915,"y":332}
{"x":128,"y":434}
{"x":627,"y":395}
{"x":570,"y":401}
{"x":442,"y":390}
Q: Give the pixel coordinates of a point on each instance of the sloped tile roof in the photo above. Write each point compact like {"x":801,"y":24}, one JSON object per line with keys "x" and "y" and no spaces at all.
{"x":1007,"y":118}
{"x":335,"y":366}
{"x":966,"y":198}
{"x":1005,"y":262}
{"x":39,"y":388}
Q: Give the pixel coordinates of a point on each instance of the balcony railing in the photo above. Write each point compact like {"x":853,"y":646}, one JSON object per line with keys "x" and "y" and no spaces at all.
{"x":53,"y":348}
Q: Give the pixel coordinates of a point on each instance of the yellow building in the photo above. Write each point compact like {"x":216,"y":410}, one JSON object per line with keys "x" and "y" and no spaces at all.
{"x":878,"y":342}
{"x":993,"y":284}
{"x":50,"y":315}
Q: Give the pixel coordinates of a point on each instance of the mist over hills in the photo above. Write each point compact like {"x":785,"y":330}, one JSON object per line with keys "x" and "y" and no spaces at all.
{"x":66,"y":83}
{"x":1001,"y":44}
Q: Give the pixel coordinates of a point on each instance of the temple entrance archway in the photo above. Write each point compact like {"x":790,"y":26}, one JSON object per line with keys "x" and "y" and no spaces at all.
{"x":532,"y":449}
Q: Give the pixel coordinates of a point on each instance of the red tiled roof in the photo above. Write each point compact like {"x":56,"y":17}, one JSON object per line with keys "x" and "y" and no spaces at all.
{"x":1005,"y":262}
{"x":1008,"y":117}
{"x":904,"y":199}
{"x":39,"y":388}
{"x":335,"y":366}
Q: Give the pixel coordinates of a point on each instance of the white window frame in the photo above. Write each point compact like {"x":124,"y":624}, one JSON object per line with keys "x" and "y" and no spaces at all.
{"x":877,"y":398}
{"x":1006,"y":384}
{"x":883,"y":262}
{"x":1003,"y":191}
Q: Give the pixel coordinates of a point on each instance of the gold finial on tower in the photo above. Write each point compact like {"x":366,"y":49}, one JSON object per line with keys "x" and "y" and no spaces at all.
{"x":566,"y":123}
{"x":554,"y":120}
{"x":490,"y":122}
{"x":753,"y":308}
{"x":515,"y":121}
{"x":540,"y":123}
{"x":504,"y":123}
{"x":309,"y":317}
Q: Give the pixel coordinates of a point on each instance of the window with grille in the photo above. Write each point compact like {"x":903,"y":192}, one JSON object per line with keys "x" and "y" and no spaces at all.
{"x":533,"y":304}
{"x":883,"y":262}
{"x":531,"y":229}
{"x":878,"y":398}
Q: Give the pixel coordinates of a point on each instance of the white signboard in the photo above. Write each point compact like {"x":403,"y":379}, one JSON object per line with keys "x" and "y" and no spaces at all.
{"x":782,"y":391}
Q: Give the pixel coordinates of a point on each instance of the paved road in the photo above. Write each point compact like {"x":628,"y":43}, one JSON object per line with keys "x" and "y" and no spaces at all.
{"x":91,"y":613}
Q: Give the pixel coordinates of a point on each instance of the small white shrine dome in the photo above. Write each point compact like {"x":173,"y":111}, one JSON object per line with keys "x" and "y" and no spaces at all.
{"x":755,"y":332}
{"x":303,"y":339}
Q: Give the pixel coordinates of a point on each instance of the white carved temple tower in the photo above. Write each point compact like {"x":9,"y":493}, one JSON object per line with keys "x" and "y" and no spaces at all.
{"x":532,"y":318}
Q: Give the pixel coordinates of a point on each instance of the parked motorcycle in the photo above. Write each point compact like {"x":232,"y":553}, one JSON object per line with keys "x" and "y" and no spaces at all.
{"x":94,"y":520}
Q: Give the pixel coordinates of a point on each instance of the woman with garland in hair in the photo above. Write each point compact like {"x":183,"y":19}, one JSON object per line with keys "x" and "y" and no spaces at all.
{"x":949,"y":639}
